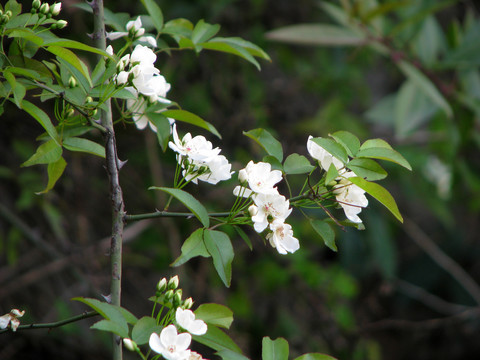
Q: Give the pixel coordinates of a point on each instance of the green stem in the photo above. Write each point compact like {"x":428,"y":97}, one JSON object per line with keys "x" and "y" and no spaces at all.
{"x":85,"y":315}
{"x":113,"y":166}
{"x":159,"y":214}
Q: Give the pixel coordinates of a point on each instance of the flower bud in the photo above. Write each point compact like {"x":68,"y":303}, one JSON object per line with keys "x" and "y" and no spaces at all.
{"x":122,"y":78}
{"x":72,"y":82}
{"x":61,"y":24}
{"x":88,"y":100}
{"x":173,"y":282}
{"x":69,"y":113}
{"x":169,"y":295}
{"x":139,"y":32}
{"x":177,"y":298}
{"x":9,"y":14}
{"x":36,"y":4}
{"x":242,"y":176}
{"x":109,"y":50}
{"x":17,"y":312}
{"x":252,"y":210}
{"x":162,"y":285}
{"x":188,"y":303}
{"x":55,"y":9}
{"x":130,"y":345}
{"x":44,"y":9}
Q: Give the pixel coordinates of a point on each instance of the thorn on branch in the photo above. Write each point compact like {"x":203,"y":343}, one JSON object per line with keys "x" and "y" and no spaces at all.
{"x":120,"y":163}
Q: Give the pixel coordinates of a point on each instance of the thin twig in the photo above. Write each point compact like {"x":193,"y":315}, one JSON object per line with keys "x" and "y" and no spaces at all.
{"x":442,"y":259}
{"x":85,"y":315}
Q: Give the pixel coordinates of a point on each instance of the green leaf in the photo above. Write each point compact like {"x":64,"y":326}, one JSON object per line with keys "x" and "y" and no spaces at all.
{"x":367,"y":169}
{"x":334,"y":148}
{"x":244,"y":236}
{"x":54,"y":170}
{"x":121,"y":329}
{"x":248,"y":46}
{"x":26,"y":34}
{"x":192,"y":247}
{"x":326,"y":232}
{"x":163,"y":128}
{"x":317,"y":34}
{"x":215,"y":314}
{"x":155,"y":12}
{"x":273,"y":161}
{"x":72,"y":44}
{"x":204,"y":31}
{"x":231,"y":47}
{"x":315,"y":356}
{"x":274,"y":349}
{"x":297,"y":164}
{"x":83,"y":145}
{"x":412,"y":109}
{"x":380,"y":149}
{"x":426,"y":86}
{"x":72,"y":59}
{"x":332,"y":173}
{"x":142,"y":330}
{"x":379,"y":193}
{"x":271,"y":145}
{"x":39,"y":115}
{"x":178,"y":28}
{"x":188,"y":117}
{"x":226,"y":354}
{"x":217,"y":340}
{"x":220,"y":247}
{"x":349,"y":141}
{"x":49,"y":152}
{"x":189,"y":201}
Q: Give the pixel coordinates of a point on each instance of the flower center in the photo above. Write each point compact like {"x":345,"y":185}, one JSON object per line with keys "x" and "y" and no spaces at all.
{"x":171,"y":349}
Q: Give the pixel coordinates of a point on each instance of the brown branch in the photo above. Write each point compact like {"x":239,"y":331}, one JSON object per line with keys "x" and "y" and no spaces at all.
{"x":442,"y":259}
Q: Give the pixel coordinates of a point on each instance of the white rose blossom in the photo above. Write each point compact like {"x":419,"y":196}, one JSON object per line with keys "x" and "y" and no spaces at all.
{"x":186,"y":319}
{"x":170,"y":344}
{"x":199,"y":159}
{"x":323,"y":156}
{"x":269,"y":207}
{"x":350,"y":197}
{"x":260,"y":178}
{"x":281,"y":237}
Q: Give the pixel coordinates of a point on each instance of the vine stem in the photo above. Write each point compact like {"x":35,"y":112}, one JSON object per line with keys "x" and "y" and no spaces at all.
{"x":113,"y":165}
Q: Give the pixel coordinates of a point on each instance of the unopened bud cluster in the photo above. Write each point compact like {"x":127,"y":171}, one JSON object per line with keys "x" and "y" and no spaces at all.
{"x":169,"y":289}
{"x":44,"y":10}
{"x":5,"y":17}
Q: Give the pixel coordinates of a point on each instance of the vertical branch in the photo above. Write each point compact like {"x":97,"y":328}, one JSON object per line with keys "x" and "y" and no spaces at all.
{"x":113,"y":165}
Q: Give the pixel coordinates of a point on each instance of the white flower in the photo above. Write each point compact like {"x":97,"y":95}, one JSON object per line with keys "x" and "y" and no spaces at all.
{"x":269,"y":207}
{"x":122,"y":78}
{"x":260,"y":178}
{"x":149,"y":40}
{"x":109,"y":50}
{"x":186,"y":319}
{"x":199,"y":159}
{"x":135,"y":26}
{"x":143,"y":55}
{"x":170,"y":344}
{"x":350,"y":197}
{"x":114,"y":35}
{"x":12,"y":319}
{"x":195,"y":148}
{"x":323,"y":156}
{"x":217,"y":169}
{"x":281,"y":237}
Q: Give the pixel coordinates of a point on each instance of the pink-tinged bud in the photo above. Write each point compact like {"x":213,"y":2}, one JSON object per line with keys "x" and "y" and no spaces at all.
{"x":44,"y":9}
{"x":61,"y":24}
{"x":188,"y":303}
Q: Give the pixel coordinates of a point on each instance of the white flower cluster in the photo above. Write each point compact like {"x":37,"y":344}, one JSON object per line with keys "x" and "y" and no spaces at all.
{"x":169,"y":343}
{"x":269,"y":208}
{"x":174,"y":346}
{"x":136,"y":31}
{"x":199,"y":159}
{"x":350,"y":197}
{"x":145,"y":82}
{"x":11,"y":319}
